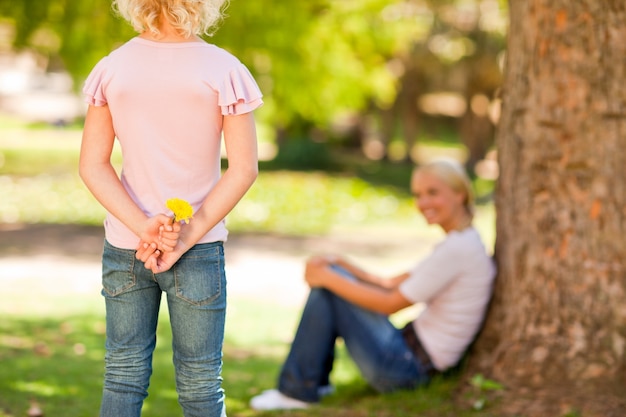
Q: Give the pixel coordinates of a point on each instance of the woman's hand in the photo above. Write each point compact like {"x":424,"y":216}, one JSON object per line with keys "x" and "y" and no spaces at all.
{"x":317,"y":272}
{"x":327,"y":260}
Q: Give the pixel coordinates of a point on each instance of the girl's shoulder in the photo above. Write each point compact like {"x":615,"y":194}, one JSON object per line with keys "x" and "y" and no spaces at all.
{"x":220,"y":54}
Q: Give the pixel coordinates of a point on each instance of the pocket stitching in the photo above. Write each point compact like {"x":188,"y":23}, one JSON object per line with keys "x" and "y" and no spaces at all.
{"x":133,"y":278}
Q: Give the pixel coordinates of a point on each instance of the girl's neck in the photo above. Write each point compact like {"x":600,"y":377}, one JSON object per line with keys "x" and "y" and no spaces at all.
{"x":167,"y":37}
{"x":167,"y":33}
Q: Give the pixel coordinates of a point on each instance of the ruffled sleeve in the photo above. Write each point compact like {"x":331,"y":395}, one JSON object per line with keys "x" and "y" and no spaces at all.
{"x":93,"y":88}
{"x":239,"y":92}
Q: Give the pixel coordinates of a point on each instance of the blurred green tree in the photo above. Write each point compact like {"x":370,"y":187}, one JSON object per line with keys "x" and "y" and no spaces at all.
{"x":347,"y":69}
{"x":71,"y":35}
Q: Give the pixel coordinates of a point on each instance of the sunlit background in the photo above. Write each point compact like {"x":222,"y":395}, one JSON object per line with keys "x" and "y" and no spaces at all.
{"x":378,"y":75}
{"x":352,"y":88}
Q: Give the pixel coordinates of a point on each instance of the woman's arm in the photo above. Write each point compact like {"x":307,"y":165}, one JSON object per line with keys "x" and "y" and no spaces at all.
{"x":361,"y":274}
{"x":372,"y":297}
{"x":241,"y":149}
{"x":99,"y":176}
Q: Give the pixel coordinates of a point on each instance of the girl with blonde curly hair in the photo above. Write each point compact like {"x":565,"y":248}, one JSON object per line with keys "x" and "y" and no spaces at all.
{"x":169,"y":98}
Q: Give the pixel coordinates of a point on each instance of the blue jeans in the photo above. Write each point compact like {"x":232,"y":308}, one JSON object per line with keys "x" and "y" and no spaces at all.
{"x":196,"y":297}
{"x":376,"y":346}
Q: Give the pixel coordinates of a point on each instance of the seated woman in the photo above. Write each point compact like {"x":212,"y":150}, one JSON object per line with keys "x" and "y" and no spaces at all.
{"x":454,"y":282}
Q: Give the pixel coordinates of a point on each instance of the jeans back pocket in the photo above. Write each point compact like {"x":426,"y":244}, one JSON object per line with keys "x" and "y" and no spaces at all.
{"x":117,"y":270}
{"x":199,"y":274}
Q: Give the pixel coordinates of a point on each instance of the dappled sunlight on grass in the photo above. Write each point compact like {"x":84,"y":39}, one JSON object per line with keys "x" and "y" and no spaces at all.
{"x":52,"y":335}
{"x":299,"y":202}
{"x":40,"y":184}
{"x":47,"y":199}
{"x":282,"y":202}
{"x":57,"y":360}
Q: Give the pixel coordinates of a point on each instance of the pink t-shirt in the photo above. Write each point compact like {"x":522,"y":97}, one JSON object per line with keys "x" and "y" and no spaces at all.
{"x":455,"y":282}
{"x":167,"y":101}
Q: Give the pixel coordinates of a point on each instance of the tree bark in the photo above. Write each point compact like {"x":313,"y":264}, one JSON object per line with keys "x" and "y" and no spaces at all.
{"x":558,"y":317}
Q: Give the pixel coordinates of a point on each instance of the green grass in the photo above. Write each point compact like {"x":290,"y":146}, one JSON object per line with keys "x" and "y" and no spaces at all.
{"x":40,"y":184}
{"x":52,"y":347}
{"x":57,"y":361}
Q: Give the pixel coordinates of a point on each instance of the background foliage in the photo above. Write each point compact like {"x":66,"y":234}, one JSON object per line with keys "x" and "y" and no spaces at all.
{"x":354,"y":72}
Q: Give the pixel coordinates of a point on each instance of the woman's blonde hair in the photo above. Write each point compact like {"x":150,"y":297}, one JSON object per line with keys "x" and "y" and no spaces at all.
{"x":189,"y":17}
{"x":455,"y":176}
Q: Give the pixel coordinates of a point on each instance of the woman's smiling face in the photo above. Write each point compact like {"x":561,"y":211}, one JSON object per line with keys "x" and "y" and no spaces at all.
{"x":437,"y":201}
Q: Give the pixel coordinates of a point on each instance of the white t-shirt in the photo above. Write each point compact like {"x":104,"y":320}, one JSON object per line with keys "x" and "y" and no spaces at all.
{"x":168,"y":101}
{"x":455,"y":282}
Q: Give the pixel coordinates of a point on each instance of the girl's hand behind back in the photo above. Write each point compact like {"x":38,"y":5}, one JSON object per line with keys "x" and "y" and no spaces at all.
{"x":168,"y":236}
{"x":160,"y":235}
{"x":158,"y":261}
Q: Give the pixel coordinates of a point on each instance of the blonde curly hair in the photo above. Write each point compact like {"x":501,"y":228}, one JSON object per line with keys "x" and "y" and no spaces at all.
{"x":189,"y":17}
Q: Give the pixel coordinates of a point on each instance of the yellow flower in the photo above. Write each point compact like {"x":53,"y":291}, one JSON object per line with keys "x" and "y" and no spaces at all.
{"x":182,"y":209}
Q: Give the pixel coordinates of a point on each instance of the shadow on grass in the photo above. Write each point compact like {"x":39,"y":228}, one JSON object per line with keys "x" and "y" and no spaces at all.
{"x":55,"y":362}
{"x":58,"y":363}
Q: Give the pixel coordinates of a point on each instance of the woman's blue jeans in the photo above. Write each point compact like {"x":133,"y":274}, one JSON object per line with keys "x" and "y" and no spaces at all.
{"x":376,"y":346}
{"x":196,"y":297}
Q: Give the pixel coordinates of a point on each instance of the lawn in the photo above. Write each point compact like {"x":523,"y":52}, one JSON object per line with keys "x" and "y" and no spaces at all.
{"x":39,"y":184}
{"x":51,"y":347}
{"x":56,"y":361}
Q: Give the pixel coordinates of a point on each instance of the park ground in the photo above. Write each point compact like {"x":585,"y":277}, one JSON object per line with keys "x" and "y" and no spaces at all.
{"x":32,"y":257}
{"x":48,"y":262}
{"x":54,"y":269}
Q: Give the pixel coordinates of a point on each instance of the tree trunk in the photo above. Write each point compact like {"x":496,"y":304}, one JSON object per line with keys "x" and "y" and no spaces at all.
{"x":558,"y":317}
